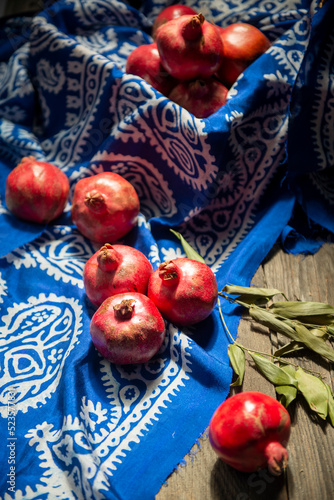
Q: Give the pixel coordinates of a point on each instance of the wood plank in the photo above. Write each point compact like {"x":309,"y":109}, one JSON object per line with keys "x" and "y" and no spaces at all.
{"x":308,"y":278}
{"x":309,"y":475}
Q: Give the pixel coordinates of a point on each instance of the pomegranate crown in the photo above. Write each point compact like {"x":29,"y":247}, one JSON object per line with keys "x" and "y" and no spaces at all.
{"x":124,"y":309}
{"x":108,"y":258}
{"x":95,"y":201}
{"x":168,"y":272}
{"x":193,"y":27}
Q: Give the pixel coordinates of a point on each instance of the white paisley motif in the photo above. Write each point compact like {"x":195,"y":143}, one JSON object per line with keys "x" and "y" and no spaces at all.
{"x":104,"y":13}
{"x":92,"y":445}
{"x":35,"y":341}
{"x":176,"y":135}
{"x":63,"y":258}
{"x":322,"y":123}
{"x":3,"y":288}
{"x":51,"y":78}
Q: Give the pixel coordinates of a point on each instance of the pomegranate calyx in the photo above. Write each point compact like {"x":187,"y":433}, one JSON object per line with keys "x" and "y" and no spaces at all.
{"x":108,"y":258}
{"x":94,"y":200}
{"x":192,"y":30}
{"x":168,"y":272}
{"x":277,"y":457}
{"x":27,"y":159}
{"x":198,"y":88}
{"x":124,"y":309}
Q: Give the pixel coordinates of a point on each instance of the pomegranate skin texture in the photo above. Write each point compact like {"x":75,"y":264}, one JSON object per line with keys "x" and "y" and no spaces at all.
{"x":144,"y":61}
{"x":127,"y":328}
{"x":250,"y":431}
{"x":202,"y":98}
{"x":184,"y":290}
{"x":36,"y":191}
{"x":243,"y":43}
{"x":105,"y":207}
{"x":169,"y":13}
{"x":115,"y":269}
{"x":190,"y":47}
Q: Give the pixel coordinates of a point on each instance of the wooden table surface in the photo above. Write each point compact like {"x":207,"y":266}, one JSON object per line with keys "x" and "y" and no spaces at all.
{"x":310,"y":472}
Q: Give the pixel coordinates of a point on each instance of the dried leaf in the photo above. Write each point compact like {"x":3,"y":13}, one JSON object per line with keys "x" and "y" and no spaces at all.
{"x":289,"y":348}
{"x":315,"y":343}
{"x":189,"y":251}
{"x":237,"y":359}
{"x":251,"y":291}
{"x":330,"y":404}
{"x":314,"y":391}
{"x":272,"y":372}
{"x":296,"y":309}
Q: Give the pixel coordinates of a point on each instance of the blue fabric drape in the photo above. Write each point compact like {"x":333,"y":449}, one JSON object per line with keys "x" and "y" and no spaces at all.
{"x":258,"y":170}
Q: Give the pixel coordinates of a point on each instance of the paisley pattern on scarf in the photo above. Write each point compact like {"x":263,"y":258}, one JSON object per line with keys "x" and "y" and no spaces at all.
{"x":226,"y":183}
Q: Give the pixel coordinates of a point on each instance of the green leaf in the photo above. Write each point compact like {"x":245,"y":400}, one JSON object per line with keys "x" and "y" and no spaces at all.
{"x":296,"y":309}
{"x":319,"y":332}
{"x":237,"y":359}
{"x":314,"y":391}
{"x":272,"y":372}
{"x":288,"y":393}
{"x":189,"y":251}
{"x":268,"y":319}
{"x":289,"y":348}
{"x":315,"y":343}
{"x":251,"y":291}
{"x":330,"y":329}
{"x":330,"y":404}
{"x":299,"y":333}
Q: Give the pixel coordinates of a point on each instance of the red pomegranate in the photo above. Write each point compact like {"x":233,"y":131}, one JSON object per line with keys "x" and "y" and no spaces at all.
{"x":250,"y":431}
{"x":184,"y":290}
{"x":243,"y":43}
{"x":36,"y":191}
{"x":144,"y":61}
{"x":190,"y":47}
{"x":202,"y":98}
{"x":169,"y":13}
{"x":115,"y":269}
{"x":127,"y":328}
{"x":105,"y":207}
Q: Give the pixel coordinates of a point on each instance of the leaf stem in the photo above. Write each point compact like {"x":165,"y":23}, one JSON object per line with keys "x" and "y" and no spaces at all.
{"x":247,"y":349}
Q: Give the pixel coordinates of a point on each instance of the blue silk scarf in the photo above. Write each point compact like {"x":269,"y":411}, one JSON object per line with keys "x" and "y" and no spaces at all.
{"x":73,"y":424}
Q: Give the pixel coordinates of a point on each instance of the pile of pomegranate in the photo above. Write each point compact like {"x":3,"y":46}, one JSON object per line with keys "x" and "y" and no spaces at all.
{"x":133,"y":301}
{"x":194,"y":62}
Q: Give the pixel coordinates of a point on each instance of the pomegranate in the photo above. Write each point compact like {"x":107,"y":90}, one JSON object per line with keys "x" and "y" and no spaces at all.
{"x":184,"y":290}
{"x":250,"y":431}
{"x":144,"y":61}
{"x":127,"y":328}
{"x":113,"y":270}
{"x":105,"y":207}
{"x":169,"y":13}
{"x":190,"y":47}
{"x":36,"y":191}
{"x":202,"y":98}
{"x":243,"y":43}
